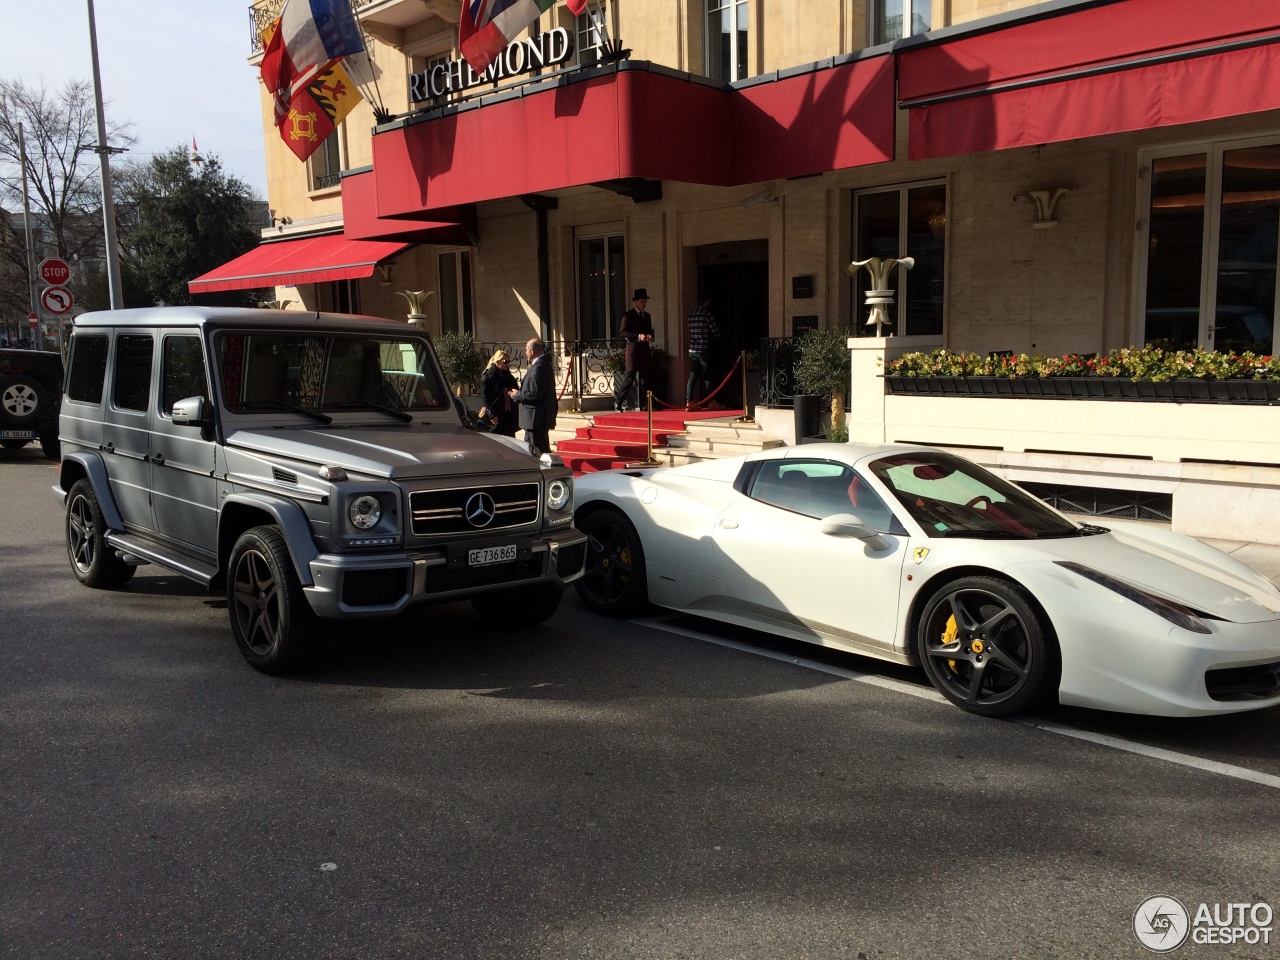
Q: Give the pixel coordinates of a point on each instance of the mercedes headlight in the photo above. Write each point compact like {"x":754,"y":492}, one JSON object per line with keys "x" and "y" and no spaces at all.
{"x":558,"y":493}
{"x":364,"y":512}
{"x":1175,"y":613}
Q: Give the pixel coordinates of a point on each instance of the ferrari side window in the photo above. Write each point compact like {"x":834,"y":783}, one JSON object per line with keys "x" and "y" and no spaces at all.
{"x":820,"y":489}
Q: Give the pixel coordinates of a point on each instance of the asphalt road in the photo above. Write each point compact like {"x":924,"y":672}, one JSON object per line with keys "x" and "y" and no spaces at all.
{"x":584,"y":789}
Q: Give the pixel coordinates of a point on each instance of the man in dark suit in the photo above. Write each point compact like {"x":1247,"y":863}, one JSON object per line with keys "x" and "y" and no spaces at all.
{"x":537,"y":398}
{"x":637,"y":330}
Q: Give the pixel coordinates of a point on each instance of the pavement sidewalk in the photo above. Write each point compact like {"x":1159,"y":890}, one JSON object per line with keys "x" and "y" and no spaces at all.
{"x":1263,"y":557}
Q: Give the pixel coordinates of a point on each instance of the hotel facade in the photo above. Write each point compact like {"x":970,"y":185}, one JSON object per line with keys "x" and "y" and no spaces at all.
{"x":1069,"y":176}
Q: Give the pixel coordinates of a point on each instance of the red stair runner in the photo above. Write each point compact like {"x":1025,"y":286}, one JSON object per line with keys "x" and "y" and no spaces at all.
{"x":615,"y":439}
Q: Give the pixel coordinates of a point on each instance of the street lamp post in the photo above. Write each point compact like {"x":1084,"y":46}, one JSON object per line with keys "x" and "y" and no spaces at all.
{"x":26,"y":219}
{"x":104,"y":164}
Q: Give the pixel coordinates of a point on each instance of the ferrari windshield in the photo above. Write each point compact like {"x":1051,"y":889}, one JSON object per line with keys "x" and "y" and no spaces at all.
{"x":951,"y":497}
{"x":334,"y":372}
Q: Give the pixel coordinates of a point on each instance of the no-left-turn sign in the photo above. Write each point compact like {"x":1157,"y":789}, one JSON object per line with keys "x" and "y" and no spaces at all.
{"x":57,"y":300}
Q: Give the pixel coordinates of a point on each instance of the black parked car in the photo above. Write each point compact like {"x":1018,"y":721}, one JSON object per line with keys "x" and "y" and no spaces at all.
{"x":30,"y":399}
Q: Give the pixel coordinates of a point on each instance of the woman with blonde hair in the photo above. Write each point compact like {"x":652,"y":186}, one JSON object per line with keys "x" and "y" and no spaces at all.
{"x":498,"y":410}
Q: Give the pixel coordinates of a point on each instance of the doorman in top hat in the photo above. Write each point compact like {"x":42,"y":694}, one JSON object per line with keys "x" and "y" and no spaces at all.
{"x":637,"y":330}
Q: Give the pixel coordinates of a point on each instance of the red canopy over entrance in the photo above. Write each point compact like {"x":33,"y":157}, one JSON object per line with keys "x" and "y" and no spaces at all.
{"x":1111,"y":68}
{"x":637,"y":121}
{"x":308,"y":260}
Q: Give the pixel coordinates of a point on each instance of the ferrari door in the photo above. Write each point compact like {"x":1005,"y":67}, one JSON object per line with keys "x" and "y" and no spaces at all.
{"x":775,"y":560}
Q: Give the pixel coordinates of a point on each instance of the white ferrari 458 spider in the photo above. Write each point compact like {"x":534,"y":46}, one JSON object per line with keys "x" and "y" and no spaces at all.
{"x":918,"y":556}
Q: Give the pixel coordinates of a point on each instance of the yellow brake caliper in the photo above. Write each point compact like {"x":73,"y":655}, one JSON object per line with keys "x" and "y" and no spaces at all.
{"x":949,"y":636}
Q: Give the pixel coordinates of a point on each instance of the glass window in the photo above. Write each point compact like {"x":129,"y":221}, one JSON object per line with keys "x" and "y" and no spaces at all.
{"x":1211,"y":245}
{"x":1249,"y":221}
{"x":590,"y":42}
{"x":950,"y":497}
{"x":602,"y":286}
{"x":344,"y":296}
{"x":894,"y":19}
{"x":820,"y":489}
{"x":909,"y":221}
{"x":184,"y":375}
{"x":727,"y":39}
{"x":133,"y":371}
{"x":1175,"y":247}
{"x":88,"y":368}
{"x":270,"y":371}
{"x":326,"y":163}
{"x":455,"y":292}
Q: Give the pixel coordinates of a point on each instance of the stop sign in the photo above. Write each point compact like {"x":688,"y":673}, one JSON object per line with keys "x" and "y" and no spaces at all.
{"x":54,"y":271}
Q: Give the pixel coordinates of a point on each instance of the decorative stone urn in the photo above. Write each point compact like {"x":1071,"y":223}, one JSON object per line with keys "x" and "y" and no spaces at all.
{"x":881,"y":293}
{"x":417,"y":300}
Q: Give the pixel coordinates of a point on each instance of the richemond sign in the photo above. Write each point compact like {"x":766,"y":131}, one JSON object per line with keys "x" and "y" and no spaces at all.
{"x":550,"y":49}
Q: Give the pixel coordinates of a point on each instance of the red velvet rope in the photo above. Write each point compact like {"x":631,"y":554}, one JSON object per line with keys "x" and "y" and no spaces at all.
{"x":709,"y":397}
{"x":567,"y":374}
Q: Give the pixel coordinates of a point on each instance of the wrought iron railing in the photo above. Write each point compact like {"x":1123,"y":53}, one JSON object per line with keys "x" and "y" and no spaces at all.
{"x":263,"y":12}
{"x":326,"y":181}
{"x":585,"y":362}
{"x":777,"y":371}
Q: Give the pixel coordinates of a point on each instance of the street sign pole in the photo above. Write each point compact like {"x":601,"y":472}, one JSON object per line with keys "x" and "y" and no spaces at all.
{"x":104,"y":163}
{"x":26,"y":219}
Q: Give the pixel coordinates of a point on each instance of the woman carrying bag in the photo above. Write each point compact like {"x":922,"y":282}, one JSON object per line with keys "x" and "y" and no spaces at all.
{"x":498,"y":410}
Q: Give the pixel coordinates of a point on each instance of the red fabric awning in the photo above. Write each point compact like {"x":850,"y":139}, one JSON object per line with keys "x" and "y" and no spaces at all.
{"x":290,"y":262}
{"x":638,"y":121}
{"x":1112,"y":68}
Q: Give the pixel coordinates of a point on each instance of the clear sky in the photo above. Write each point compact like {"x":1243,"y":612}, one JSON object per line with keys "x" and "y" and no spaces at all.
{"x":173,"y":68}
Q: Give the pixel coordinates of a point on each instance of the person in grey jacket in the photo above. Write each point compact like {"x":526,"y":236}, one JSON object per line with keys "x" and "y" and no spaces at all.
{"x":537,"y":398}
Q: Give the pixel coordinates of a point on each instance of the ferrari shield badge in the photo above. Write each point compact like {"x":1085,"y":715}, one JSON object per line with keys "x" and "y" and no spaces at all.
{"x":920,"y":554}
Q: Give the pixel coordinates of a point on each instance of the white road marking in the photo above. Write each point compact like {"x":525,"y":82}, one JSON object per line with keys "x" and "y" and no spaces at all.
{"x":928,"y":693}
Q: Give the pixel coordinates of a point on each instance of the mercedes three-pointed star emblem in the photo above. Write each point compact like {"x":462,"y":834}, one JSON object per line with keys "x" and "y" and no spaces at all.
{"x":480,"y":510}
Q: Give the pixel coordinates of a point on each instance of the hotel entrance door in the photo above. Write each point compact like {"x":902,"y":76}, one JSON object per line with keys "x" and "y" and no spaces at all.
{"x":736,"y":277}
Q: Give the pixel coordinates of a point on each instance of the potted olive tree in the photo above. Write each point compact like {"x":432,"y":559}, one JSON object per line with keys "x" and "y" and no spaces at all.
{"x":461,"y":360}
{"x":822,"y":369}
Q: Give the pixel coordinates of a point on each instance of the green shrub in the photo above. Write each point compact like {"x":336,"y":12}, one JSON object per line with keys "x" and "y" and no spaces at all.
{"x":461,"y":359}
{"x":1137,"y":363}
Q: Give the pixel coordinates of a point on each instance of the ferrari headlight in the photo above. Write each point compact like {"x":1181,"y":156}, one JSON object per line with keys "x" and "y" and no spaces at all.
{"x":1175,"y":613}
{"x":365,"y":512}
{"x":558,"y":493}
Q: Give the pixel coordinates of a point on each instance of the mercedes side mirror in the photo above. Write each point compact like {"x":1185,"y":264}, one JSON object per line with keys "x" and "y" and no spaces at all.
{"x":852,"y":526}
{"x":189,"y":412}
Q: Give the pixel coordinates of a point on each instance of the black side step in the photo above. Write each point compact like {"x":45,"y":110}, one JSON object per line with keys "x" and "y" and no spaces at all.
{"x":197,"y":570}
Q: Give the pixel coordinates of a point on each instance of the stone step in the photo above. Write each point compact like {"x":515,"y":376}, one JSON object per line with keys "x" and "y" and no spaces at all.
{"x":712,"y":447}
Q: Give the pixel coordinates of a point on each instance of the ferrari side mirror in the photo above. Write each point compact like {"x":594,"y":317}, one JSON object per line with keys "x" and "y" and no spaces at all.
{"x":851,"y":525}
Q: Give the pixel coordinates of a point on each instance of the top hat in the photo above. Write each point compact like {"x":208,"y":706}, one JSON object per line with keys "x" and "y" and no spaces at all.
{"x":640,"y":294}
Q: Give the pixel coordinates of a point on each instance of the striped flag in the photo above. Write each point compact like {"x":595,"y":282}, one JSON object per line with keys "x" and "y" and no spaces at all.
{"x":305,"y":42}
{"x":487,"y":26}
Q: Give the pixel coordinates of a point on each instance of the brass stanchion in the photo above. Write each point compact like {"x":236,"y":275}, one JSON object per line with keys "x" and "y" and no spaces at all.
{"x":650,"y":460}
{"x":746,"y":410}
{"x":575,"y":373}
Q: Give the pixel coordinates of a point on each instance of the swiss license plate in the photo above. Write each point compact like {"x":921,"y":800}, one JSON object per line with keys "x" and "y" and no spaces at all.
{"x":487,"y":555}
{"x":17,"y":434}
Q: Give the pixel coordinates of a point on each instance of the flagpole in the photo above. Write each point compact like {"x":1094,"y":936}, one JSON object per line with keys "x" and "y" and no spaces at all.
{"x":104,"y":164}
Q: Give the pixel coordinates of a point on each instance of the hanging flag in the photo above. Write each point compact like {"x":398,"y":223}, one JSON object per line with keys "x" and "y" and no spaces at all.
{"x":576,"y":7}
{"x":487,"y":26}
{"x":303,"y":43}
{"x":319,"y":96}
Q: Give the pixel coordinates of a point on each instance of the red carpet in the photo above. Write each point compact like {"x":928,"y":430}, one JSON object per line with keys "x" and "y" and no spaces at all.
{"x":615,"y":439}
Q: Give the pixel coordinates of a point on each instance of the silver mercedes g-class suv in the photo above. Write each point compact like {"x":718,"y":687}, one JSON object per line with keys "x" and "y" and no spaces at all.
{"x":309,"y":465}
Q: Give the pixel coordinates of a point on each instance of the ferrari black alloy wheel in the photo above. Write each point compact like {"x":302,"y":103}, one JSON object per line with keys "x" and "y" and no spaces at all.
{"x":984,"y":645}
{"x":614,"y":581}
{"x":274,"y":626}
